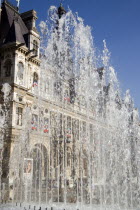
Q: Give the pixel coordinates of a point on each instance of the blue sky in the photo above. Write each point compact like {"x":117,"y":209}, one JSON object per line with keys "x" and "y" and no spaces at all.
{"x":116,"y":21}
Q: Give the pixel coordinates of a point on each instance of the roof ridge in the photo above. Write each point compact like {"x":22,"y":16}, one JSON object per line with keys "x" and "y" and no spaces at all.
{"x":8,"y":3}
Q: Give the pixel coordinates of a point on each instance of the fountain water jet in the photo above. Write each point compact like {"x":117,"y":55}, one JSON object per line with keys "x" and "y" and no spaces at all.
{"x":88,"y":153}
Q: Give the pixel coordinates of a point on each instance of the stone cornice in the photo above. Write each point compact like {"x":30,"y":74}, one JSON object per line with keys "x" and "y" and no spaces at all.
{"x":14,"y":46}
{"x":34,"y":60}
{"x":21,"y":48}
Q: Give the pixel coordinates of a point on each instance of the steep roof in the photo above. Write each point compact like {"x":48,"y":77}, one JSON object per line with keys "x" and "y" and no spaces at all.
{"x":15,"y":34}
{"x":12,"y":27}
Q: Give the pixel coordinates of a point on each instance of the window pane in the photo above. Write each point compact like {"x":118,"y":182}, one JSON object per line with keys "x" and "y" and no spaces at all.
{"x":8,"y":66}
{"x":46,"y":125}
{"x":34,"y":122}
{"x":35,"y":80}
{"x":19,"y":112}
{"x":20,"y":70}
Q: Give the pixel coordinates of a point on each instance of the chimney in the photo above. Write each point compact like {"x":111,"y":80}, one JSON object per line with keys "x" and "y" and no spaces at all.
{"x":29,"y":19}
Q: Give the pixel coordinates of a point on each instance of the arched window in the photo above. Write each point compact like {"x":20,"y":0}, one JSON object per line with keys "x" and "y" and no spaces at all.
{"x":20,"y":70}
{"x":35,"y":79}
{"x":40,"y":166}
{"x":35,"y":47}
{"x":8,"y":66}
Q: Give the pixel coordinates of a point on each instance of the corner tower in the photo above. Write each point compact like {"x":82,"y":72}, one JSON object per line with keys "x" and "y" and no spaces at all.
{"x":19,"y":44}
{"x":19,"y":67}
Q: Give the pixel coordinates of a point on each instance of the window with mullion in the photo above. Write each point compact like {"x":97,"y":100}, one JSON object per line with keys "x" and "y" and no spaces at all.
{"x":19,"y":112}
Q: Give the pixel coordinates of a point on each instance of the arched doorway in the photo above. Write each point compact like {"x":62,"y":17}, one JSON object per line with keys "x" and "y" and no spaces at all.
{"x":39,"y":155}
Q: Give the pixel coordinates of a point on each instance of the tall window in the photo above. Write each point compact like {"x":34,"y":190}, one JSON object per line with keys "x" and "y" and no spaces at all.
{"x":75,"y":129}
{"x":57,"y":87}
{"x":35,"y":47}
{"x":35,"y":79}
{"x":66,"y":96}
{"x":83,"y":131}
{"x":20,"y":70}
{"x":46,"y":125}
{"x":68,"y":157}
{"x":85,"y":166}
{"x":46,"y":86}
{"x":91,"y":133}
{"x":34,"y":122}
{"x":68,"y":131}
{"x":8,"y":66}
{"x":19,"y":112}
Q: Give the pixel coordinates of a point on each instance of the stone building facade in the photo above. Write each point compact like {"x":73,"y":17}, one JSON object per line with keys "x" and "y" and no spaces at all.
{"x":52,"y":138}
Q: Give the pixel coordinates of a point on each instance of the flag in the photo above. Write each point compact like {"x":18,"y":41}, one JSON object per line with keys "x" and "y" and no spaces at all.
{"x":67,"y":99}
{"x":46,"y":129}
{"x":34,"y":122}
{"x":34,"y":127}
{"x":35,"y":84}
{"x":46,"y":126}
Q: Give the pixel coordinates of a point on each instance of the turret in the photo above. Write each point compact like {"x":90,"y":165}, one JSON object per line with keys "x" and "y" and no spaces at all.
{"x":61,"y":11}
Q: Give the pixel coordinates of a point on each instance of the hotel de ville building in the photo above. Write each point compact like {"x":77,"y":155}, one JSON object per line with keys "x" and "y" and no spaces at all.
{"x":44,"y":149}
